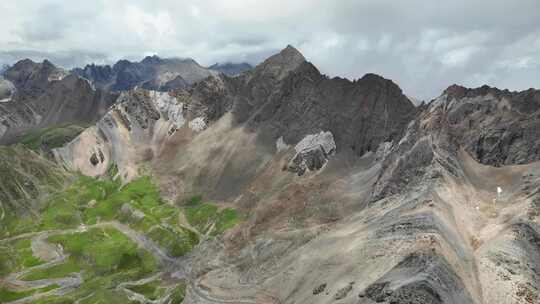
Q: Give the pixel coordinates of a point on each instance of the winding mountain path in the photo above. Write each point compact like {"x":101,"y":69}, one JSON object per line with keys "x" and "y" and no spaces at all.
{"x":54,"y":255}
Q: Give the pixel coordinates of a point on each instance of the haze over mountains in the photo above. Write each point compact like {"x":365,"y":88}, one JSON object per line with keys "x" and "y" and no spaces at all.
{"x":323,"y":190}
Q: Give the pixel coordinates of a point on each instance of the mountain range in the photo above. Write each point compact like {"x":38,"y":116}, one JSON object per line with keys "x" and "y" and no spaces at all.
{"x":323,"y":190}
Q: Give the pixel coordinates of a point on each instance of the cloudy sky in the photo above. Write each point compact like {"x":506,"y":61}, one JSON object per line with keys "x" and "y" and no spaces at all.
{"x":423,"y":45}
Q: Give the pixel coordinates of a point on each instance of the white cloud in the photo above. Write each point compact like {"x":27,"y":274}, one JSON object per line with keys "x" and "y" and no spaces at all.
{"x":458,"y":57}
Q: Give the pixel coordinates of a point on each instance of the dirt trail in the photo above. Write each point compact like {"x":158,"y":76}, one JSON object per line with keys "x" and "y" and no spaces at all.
{"x":124,"y":286}
{"x":65,"y":284}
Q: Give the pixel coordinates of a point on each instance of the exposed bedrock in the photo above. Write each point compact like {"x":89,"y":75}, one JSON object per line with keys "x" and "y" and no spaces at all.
{"x":496,"y":127}
{"x":420,"y":278}
{"x":312,"y":152}
{"x":129,"y":134}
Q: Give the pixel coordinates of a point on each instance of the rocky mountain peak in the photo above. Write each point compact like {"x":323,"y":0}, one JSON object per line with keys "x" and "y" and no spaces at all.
{"x":374,"y":81}
{"x":373,"y":78}
{"x":23,"y":63}
{"x":458,"y":91}
{"x":291,"y":51}
{"x":154,"y":59}
{"x":47,"y":64}
{"x":30,"y":78}
{"x":280,"y":64}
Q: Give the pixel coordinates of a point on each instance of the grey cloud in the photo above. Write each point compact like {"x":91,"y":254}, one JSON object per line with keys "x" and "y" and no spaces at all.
{"x":422,"y":45}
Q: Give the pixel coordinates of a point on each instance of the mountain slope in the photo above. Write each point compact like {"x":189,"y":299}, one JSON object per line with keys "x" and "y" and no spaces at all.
{"x":27,"y":178}
{"x":48,"y":96}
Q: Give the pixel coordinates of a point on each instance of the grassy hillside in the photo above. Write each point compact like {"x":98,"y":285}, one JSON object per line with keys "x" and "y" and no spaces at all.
{"x":50,"y":138}
{"x":111,"y":241}
{"x":27,"y":178}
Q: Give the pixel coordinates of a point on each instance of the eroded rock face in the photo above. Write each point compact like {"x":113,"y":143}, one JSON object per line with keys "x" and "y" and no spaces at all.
{"x":437,"y":283}
{"x":496,"y":127}
{"x":312,"y":152}
{"x":130,"y":133}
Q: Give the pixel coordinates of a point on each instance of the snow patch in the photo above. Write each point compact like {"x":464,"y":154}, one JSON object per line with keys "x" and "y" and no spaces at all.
{"x":198,"y":124}
{"x":281,"y":145}
{"x":57,"y":76}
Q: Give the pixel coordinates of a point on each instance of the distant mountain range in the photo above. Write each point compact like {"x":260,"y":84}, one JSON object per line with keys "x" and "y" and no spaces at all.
{"x":154,"y":73}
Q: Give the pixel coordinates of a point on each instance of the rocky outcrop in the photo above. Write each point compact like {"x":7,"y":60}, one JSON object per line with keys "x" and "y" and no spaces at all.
{"x":312,"y":152}
{"x":496,"y":127}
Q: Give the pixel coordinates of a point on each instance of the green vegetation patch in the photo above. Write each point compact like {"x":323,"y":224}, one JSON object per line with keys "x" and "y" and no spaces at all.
{"x":16,"y":256}
{"x":178,"y":241}
{"x":50,"y":138}
{"x":226,"y":219}
{"x":103,"y":251}
{"x":93,"y":290}
{"x":138,"y":204}
{"x":66,"y":209}
{"x":105,"y":256}
{"x":54,"y":272}
{"x":7,"y":295}
{"x":26,"y":177}
{"x":151,"y":290}
{"x":112,"y":171}
{"x":178,"y":294}
{"x":206,"y":216}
